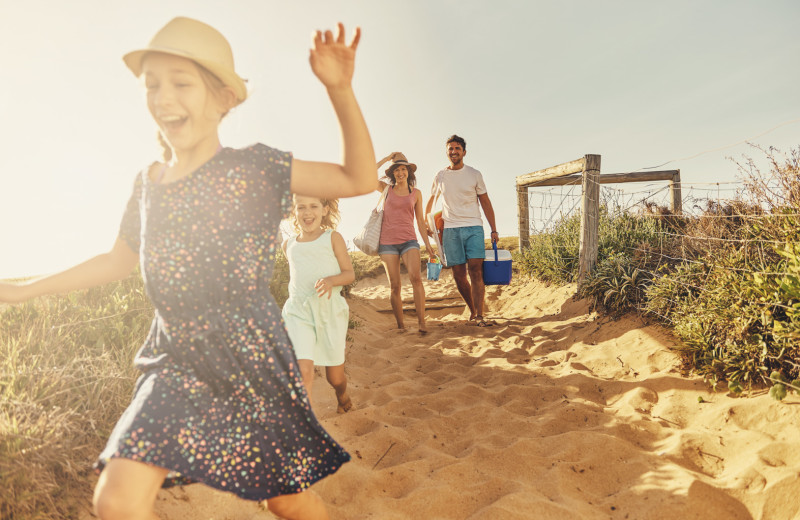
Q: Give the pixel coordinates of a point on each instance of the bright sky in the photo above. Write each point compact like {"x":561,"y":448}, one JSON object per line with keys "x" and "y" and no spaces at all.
{"x":529,"y":84}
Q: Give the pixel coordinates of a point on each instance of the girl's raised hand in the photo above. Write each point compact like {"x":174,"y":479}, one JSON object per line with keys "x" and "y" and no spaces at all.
{"x":332,"y":60}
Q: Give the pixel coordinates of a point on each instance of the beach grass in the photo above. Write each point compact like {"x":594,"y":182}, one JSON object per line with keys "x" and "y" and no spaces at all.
{"x":67,"y":374}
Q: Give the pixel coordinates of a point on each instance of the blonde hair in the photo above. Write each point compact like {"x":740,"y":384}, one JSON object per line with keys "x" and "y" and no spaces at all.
{"x":214,"y":86}
{"x":329,"y":221}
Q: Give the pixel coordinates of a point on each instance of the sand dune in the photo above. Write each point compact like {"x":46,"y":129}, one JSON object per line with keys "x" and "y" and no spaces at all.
{"x":554,"y":413}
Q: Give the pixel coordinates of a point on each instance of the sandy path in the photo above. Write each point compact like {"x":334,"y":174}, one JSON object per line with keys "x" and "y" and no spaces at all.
{"x":555,"y":413}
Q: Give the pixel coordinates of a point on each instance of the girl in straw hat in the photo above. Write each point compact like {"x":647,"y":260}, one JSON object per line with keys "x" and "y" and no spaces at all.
{"x":220,"y":399}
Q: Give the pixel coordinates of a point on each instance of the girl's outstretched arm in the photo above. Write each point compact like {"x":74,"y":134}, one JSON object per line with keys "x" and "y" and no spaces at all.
{"x":333,"y":61}
{"x":114,"y":265}
{"x":347,"y":274}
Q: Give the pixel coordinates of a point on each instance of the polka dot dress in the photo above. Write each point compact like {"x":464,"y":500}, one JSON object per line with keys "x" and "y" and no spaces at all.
{"x":220,"y":399}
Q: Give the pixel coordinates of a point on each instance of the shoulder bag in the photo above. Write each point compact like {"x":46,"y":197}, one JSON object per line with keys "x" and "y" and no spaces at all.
{"x":368,"y":239}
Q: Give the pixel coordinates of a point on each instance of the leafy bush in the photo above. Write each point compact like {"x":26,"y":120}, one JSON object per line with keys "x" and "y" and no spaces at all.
{"x":737,"y":324}
{"x":727,"y":280}
{"x":616,"y":284}
{"x":553,"y":256}
{"x":737,"y":307}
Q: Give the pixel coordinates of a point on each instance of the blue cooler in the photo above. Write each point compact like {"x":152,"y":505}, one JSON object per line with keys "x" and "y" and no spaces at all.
{"x":497,"y":266}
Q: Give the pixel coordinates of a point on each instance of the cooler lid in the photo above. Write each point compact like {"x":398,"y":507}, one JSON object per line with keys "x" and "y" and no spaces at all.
{"x":502,"y":255}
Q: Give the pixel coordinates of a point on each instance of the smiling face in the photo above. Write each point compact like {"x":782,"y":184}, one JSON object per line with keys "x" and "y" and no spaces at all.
{"x":308,"y":213}
{"x":456,"y":153}
{"x":179,"y":99}
{"x":400,"y":174}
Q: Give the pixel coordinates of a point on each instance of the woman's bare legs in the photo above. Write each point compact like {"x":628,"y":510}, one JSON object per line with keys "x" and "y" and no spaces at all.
{"x":306,"y":506}
{"x":392,"y":265}
{"x":411,"y":259}
{"x":307,"y":371}
{"x":338,"y":380}
{"x":127,"y":490}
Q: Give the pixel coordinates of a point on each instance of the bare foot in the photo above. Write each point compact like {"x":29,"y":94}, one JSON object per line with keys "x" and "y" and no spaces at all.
{"x":423,"y":329}
{"x":345,"y":404}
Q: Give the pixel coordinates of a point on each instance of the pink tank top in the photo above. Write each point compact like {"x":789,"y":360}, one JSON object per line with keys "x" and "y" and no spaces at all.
{"x":398,"y":218}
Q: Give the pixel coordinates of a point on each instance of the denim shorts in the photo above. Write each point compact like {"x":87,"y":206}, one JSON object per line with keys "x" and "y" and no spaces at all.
{"x":397,"y":249}
{"x":463,"y":243}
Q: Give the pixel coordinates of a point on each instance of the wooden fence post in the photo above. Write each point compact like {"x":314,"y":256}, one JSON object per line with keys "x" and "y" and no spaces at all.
{"x":590,"y":216}
{"x":675,"y":191}
{"x":523,"y":211}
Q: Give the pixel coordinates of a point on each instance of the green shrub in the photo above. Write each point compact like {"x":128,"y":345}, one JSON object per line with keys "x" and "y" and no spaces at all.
{"x":674,"y":286}
{"x":736,"y":323}
{"x":553,"y":256}
{"x":727,"y":280}
{"x":737,"y":310}
{"x":615,"y":285}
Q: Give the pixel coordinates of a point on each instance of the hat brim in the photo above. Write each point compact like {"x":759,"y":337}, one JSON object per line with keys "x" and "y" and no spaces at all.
{"x":411,"y":167}
{"x":133,"y":60}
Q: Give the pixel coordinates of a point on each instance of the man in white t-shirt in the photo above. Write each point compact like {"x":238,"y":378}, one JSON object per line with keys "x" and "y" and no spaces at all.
{"x":463,"y":195}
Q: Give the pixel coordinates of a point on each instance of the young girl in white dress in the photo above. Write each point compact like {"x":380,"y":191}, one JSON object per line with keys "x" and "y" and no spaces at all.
{"x":316,"y":314}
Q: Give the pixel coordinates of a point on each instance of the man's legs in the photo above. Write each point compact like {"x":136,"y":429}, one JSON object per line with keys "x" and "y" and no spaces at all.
{"x":475,"y":266}
{"x":464,"y":288}
{"x":453,"y":242}
{"x":474,"y":251}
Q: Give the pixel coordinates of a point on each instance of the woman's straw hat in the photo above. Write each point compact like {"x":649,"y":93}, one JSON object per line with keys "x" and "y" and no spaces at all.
{"x":400,"y":160}
{"x":196,"y":41}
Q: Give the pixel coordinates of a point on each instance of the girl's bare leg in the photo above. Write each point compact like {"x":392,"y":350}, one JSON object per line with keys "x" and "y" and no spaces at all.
{"x":392,"y":265}
{"x":127,"y":490}
{"x":306,"y":506}
{"x":307,"y":371}
{"x":411,"y":259}
{"x":338,"y":380}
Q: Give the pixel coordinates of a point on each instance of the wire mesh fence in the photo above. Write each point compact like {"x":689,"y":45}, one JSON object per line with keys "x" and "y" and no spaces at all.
{"x":722,"y":267}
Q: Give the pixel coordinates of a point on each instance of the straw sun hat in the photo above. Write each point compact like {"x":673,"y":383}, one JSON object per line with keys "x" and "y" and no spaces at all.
{"x":401,"y":161}
{"x":196,"y":41}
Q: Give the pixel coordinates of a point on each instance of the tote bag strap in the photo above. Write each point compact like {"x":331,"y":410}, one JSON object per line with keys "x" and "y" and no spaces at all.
{"x":382,"y":199}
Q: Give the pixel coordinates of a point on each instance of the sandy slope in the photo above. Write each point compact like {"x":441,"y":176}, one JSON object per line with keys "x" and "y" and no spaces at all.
{"x":555,"y":413}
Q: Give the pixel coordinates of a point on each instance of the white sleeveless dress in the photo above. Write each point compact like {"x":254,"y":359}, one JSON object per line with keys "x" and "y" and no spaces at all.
{"x":317,"y":326}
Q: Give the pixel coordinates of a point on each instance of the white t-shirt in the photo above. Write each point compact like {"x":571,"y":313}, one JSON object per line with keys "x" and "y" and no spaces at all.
{"x":459,"y":190}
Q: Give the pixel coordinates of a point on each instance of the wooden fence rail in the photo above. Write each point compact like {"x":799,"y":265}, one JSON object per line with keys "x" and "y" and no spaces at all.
{"x":586,"y":172}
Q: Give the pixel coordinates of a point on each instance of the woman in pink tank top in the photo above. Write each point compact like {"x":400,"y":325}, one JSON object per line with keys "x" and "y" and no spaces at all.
{"x":403,"y":206}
